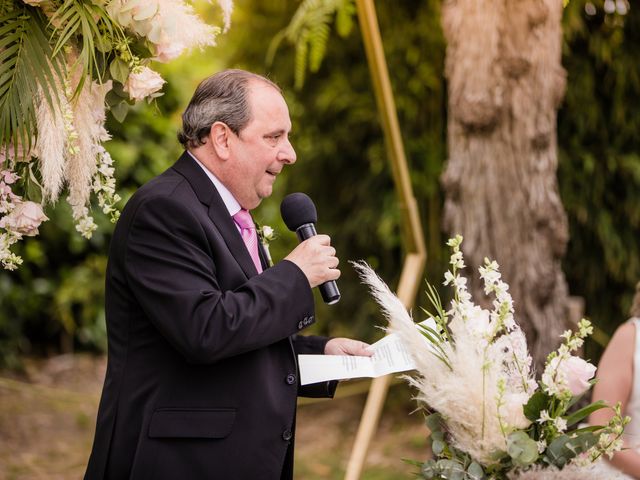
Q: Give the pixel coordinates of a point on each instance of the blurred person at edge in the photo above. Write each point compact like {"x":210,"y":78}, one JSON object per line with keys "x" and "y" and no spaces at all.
{"x":202,"y":378}
{"x":619,"y":381}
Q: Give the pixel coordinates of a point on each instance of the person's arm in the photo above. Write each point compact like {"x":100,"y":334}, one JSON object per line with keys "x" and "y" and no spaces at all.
{"x":615,"y":384}
{"x":171,"y":271}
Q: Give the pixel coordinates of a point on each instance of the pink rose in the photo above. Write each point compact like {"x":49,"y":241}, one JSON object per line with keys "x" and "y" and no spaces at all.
{"x":24,"y":219}
{"x":577,"y":373}
{"x":142,"y":82}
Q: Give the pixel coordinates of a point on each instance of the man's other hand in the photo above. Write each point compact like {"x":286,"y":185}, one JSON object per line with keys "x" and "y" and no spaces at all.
{"x":317,"y":260}
{"x":347,"y":346}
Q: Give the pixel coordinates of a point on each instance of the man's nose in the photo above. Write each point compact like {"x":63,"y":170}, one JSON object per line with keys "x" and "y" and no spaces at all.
{"x":287,"y":154}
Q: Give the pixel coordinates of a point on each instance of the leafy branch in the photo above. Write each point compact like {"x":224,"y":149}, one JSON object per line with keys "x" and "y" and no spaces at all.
{"x":28,"y":68}
{"x":309,"y":32}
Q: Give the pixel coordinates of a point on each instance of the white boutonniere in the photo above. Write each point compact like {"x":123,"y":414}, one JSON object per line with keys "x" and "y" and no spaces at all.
{"x":265,"y":235}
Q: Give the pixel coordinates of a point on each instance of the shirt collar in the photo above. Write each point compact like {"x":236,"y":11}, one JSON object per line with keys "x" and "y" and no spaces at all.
{"x":229,"y":200}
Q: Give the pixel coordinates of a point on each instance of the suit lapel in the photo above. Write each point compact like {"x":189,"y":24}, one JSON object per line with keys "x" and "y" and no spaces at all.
{"x":208,"y":195}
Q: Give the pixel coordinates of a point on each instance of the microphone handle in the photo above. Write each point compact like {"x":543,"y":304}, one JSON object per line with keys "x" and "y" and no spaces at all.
{"x":328,"y":290}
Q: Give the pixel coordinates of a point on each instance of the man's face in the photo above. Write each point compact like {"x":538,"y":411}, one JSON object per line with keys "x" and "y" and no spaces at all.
{"x":262,"y":149}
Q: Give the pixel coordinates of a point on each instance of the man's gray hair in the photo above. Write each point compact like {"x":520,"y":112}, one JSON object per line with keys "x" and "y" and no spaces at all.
{"x":223,"y":97}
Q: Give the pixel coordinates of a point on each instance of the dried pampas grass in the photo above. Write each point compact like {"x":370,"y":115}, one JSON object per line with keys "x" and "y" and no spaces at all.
{"x":88,"y":123}
{"x":50,"y":144}
{"x":464,"y":390}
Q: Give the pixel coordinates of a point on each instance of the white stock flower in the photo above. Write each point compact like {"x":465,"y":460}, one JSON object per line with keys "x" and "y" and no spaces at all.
{"x":560,"y":424}
{"x":143,"y":82}
{"x":544,"y":417}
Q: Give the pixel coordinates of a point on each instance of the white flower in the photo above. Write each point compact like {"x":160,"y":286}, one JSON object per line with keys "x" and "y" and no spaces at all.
{"x":267,"y":233}
{"x":544,"y":417}
{"x":560,"y":424}
{"x":143,"y":82}
{"x":448,"y":278}
{"x":24,"y":219}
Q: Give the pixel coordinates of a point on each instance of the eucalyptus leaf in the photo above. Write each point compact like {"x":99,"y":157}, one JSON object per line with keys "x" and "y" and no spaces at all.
{"x":119,"y":70}
{"x":522,"y":449}
{"x":120,"y":111}
{"x":434,"y":422}
{"x":437,"y":446}
{"x":475,"y":471}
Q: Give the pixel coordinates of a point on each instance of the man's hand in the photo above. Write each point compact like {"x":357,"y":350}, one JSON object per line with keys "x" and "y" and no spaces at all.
{"x":347,"y":346}
{"x":317,"y":260}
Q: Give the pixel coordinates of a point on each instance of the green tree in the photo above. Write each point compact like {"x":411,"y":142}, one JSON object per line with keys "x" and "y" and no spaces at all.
{"x":599,"y":170}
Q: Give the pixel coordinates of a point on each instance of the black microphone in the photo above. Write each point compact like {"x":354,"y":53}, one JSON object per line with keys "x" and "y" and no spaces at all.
{"x":300,"y":216}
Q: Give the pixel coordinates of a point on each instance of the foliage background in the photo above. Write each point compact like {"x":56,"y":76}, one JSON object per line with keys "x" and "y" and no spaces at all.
{"x":54,"y":302}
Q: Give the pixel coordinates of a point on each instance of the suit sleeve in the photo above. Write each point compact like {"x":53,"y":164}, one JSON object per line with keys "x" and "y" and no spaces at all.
{"x":313,"y":345}
{"x":171,"y":272}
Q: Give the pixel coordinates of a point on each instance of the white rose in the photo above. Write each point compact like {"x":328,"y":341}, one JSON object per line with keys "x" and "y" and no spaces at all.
{"x":142,"y":82}
{"x":267,"y":231}
{"x":24,"y":219}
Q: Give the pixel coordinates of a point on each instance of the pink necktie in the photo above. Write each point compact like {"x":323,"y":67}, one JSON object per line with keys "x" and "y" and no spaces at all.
{"x":248,"y":231}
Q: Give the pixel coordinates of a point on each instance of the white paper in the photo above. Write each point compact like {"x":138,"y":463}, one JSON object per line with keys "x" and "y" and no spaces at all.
{"x":389,"y":356}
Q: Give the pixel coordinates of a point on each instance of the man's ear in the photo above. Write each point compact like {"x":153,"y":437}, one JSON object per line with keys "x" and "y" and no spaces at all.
{"x":219,"y":138}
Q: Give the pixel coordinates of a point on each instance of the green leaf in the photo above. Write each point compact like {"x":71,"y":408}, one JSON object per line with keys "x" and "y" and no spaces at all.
{"x":344,"y":18}
{"x":28,"y":67}
{"x":475,"y":471}
{"x":120,"y":111}
{"x":434,"y":422}
{"x":584,"y":412}
{"x":437,"y":447}
{"x":564,"y":448}
{"x":539,"y":401}
{"x":522,"y":449}
{"x":119,"y":70}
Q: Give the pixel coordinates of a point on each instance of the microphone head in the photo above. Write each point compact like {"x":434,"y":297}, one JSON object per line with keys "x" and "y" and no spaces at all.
{"x":298,"y":209}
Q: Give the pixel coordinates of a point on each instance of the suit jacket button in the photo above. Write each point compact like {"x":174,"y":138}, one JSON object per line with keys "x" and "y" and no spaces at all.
{"x":286,"y":435}
{"x":291,"y":379}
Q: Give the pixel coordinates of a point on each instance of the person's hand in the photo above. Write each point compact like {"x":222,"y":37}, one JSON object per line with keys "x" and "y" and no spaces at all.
{"x":347,"y":346}
{"x":317,"y":260}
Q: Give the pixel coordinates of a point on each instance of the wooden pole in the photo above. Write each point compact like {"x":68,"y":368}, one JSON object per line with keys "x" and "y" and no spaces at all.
{"x":416,"y":256}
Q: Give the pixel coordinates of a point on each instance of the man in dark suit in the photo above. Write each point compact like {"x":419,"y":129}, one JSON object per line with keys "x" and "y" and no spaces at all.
{"x":202,"y":378}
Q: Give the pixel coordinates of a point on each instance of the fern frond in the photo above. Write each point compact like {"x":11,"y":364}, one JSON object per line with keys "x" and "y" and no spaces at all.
{"x":318,"y":40}
{"x":344,"y":18}
{"x":309,"y":32}
{"x":27,"y":64}
{"x":301,"y":60}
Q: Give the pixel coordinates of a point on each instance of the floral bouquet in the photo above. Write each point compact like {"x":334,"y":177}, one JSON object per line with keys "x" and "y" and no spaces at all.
{"x":64,"y":64}
{"x":489,"y":418}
